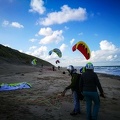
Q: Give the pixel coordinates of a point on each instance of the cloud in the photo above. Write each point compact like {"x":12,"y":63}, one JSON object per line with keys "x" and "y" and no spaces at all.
{"x":105,"y":45}
{"x":37,"y":6}
{"x":33,"y":48}
{"x":5,"y":23}
{"x":50,"y":35}
{"x":6,"y":45}
{"x":17,"y":25}
{"x":108,"y":52}
{"x":33,"y":40}
{"x":38,"y":52}
{"x":63,"y":46}
{"x":71,"y":42}
{"x":12,"y":24}
{"x":45,"y":31}
{"x":66,"y":13}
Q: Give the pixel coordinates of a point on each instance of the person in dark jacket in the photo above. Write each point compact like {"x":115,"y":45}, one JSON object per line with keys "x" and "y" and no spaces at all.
{"x":89,"y":84}
{"x":74,"y":86}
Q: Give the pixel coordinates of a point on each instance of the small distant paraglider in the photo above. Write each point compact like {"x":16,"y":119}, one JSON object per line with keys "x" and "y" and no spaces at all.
{"x":57,"y":61}
{"x":83,"y":48}
{"x":34,"y":62}
{"x":57,"y":51}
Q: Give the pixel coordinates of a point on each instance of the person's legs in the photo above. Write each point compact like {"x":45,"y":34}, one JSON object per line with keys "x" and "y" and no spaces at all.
{"x":76,"y":103}
{"x":88,"y":99}
{"x":96,"y":105}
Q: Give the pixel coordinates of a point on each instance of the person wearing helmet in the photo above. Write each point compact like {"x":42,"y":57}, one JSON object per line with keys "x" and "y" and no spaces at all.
{"x":88,"y":86}
{"x":82,"y":70}
{"x":74,"y":86}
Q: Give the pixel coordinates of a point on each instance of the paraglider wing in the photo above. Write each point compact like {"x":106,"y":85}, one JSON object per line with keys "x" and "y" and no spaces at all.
{"x":74,"y":48}
{"x":83,"y":48}
{"x":57,"y":61}
{"x":50,"y":52}
{"x":58,"y":52}
{"x":34,"y":61}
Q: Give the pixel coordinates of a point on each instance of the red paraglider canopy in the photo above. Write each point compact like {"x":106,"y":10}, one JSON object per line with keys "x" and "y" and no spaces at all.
{"x":83,"y":48}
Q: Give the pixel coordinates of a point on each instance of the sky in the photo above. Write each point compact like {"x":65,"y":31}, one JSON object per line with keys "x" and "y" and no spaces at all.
{"x":35,"y":27}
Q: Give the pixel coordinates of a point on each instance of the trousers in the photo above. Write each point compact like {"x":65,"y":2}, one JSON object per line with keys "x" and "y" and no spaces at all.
{"x":92,"y":104}
{"x":76,"y":102}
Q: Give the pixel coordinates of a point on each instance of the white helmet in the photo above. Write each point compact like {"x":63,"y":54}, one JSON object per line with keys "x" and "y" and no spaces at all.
{"x":70,"y":68}
{"x":89,"y":66}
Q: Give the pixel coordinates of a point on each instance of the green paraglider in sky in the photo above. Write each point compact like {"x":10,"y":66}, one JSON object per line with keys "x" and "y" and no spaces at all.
{"x":57,"y":51}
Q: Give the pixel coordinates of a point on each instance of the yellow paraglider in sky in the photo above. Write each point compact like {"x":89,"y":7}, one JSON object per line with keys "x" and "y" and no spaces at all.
{"x":83,"y":48}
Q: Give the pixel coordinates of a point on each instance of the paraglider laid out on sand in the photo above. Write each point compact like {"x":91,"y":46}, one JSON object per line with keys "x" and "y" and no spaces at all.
{"x":83,"y":48}
{"x":14,"y":86}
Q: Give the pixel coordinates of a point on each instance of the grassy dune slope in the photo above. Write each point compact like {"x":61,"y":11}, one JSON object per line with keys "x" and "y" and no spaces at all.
{"x":9,"y":55}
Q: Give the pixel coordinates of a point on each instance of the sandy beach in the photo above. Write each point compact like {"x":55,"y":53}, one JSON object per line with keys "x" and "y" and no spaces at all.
{"x":43,"y":101}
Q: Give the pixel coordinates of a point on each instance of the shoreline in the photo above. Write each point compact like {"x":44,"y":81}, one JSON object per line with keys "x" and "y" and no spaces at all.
{"x":117,"y":77}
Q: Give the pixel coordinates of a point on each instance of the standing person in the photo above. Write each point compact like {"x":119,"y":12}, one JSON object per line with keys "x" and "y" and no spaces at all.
{"x":88,"y":86}
{"x":53,"y":68}
{"x":74,"y":86}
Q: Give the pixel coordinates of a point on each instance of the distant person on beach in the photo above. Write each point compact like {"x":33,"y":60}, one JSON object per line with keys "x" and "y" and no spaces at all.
{"x":88,"y":86}
{"x":53,"y":68}
{"x":74,"y":86}
{"x":58,"y":67}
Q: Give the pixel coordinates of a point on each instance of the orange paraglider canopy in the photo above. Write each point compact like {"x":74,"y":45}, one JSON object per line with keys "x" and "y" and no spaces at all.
{"x":83,"y":48}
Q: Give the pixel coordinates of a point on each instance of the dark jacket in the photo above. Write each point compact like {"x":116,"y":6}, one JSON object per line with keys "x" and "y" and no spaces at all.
{"x":74,"y":86}
{"x":89,"y":82}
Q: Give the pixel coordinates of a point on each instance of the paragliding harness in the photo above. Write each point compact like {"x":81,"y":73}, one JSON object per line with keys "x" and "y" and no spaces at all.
{"x":80,"y":95}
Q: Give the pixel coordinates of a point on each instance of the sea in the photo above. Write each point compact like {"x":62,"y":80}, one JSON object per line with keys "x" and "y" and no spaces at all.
{"x":111,"y":70}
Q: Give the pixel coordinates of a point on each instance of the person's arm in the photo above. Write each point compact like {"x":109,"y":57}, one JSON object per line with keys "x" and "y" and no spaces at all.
{"x":99,"y":87}
{"x":73,"y":82}
{"x":72,"y":85}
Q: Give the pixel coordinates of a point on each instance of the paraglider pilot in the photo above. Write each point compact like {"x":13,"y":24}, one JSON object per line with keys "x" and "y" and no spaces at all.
{"x":74,"y":86}
{"x":53,"y":68}
{"x":89,"y":83}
